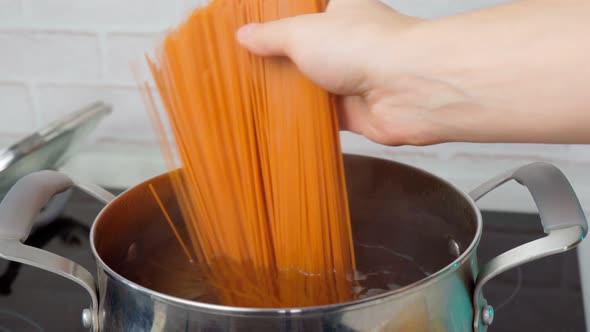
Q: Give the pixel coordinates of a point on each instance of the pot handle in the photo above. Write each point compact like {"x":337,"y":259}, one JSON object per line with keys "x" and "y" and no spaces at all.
{"x":18,"y":210}
{"x":562,"y":217}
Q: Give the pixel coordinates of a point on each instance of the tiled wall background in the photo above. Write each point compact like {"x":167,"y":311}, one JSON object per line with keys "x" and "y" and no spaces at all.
{"x":57,"y":56}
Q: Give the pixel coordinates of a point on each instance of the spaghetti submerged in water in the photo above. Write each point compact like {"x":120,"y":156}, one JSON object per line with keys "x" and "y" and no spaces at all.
{"x":261,"y":184}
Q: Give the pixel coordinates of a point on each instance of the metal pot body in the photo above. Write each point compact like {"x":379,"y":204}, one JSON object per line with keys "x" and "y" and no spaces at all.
{"x":419,"y":228}
{"x":443,"y":305}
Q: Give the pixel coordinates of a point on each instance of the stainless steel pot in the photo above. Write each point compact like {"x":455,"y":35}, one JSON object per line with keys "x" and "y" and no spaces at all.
{"x":395,"y":208}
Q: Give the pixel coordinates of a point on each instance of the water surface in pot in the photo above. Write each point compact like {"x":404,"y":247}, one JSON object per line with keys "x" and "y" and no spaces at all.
{"x":167,"y":270}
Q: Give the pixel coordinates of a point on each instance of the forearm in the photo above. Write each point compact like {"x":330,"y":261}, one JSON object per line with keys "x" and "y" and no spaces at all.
{"x":518,"y":72}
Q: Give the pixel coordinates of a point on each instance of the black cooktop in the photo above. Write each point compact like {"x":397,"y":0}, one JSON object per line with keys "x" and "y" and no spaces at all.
{"x":541,"y":296}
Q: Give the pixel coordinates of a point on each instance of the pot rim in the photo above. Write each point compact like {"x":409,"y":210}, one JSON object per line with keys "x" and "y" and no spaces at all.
{"x":232,"y":310}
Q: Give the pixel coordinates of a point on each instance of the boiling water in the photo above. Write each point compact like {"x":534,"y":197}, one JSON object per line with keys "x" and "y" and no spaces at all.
{"x":395,"y":271}
{"x":166,"y":269}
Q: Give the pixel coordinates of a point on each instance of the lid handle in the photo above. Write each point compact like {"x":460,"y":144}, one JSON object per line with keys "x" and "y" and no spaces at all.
{"x":25,"y":199}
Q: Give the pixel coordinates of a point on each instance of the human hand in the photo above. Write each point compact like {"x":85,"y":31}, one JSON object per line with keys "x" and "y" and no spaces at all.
{"x":341,"y":50}
{"x":512,"y":73}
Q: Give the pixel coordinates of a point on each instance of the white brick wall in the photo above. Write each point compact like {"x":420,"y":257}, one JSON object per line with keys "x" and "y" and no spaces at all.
{"x":123,"y":49}
{"x":439,"y":8}
{"x":187,"y":5}
{"x":16,"y":100}
{"x":29,"y":55}
{"x":62,"y":54}
{"x":12,"y":11}
{"x":105,"y":13}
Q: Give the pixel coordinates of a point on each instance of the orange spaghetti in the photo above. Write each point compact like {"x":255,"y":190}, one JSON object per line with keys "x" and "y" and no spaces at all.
{"x":261,"y":183}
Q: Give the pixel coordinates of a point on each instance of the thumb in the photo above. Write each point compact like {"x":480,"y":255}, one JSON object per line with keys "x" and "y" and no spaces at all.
{"x":271,"y":38}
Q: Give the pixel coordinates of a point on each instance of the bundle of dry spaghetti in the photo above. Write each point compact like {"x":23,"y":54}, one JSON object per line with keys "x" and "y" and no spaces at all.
{"x":261,"y":183}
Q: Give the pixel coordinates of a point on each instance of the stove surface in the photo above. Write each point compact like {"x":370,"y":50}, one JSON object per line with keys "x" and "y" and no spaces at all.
{"x":541,"y":296}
